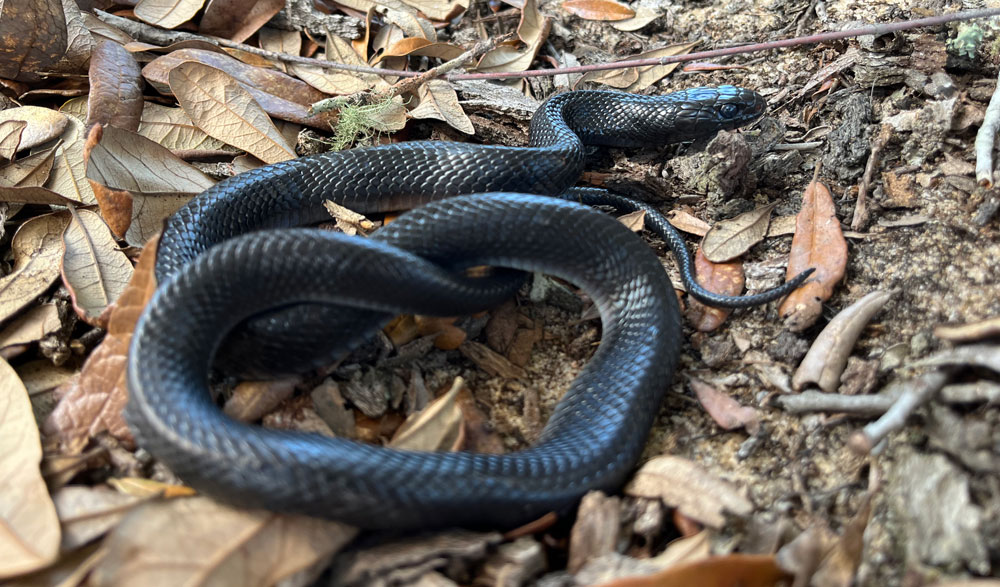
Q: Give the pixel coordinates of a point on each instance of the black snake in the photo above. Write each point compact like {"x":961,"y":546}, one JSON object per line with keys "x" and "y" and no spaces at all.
{"x":314,"y":294}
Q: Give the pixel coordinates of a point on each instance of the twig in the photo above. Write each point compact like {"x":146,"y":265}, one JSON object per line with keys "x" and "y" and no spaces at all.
{"x":916,"y":392}
{"x":856,"y":405}
{"x":985,"y":139}
{"x":156,"y":35}
{"x":861,"y":204}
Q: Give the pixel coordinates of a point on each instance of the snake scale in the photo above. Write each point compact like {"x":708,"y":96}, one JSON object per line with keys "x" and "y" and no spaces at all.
{"x":291,"y":299}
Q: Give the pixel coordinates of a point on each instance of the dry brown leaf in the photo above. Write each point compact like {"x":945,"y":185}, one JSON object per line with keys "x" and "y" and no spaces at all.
{"x":115,"y":88}
{"x":336,"y":82}
{"x":726,"y":411}
{"x":69,"y":171}
{"x":721,"y":278}
{"x":251,"y":400}
{"x":42,"y":124}
{"x":532,"y":30}
{"x":745,"y":570}
{"x":634,"y":221}
{"x":30,"y":171}
{"x":167,"y":13}
{"x":440,"y":10}
{"x":606,"y":10}
{"x":29,"y":528}
{"x":94,"y":269}
{"x":80,"y":41}
{"x":731,"y":238}
{"x":33,"y":195}
{"x":689,"y":223}
{"x":148,"y":214}
{"x":141,"y":487}
{"x":419,"y":46}
{"x":37,"y":247}
{"x":172,"y":128}
{"x":29,"y":327}
{"x":279,"y":41}
{"x":87,"y":513}
{"x":819,"y":243}
{"x":438,"y":100}
{"x":695,"y":492}
{"x":93,"y":402}
{"x":10,"y":137}
{"x":216,"y":543}
{"x":635,"y":79}
{"x":224,"y":110}
{"x":491,"y":361}
{"x":238,"y":19}
{"x":35,"y":38}
{"x":968,"y":332}
{"x":438,"y":427}
{"x":643,"y":16}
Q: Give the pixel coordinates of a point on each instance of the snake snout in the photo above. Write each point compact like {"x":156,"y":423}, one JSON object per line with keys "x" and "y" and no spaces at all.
{"x":736,"y":107}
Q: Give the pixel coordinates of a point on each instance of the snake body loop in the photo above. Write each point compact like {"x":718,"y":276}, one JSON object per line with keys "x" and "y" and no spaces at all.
{"x":285,"y":291}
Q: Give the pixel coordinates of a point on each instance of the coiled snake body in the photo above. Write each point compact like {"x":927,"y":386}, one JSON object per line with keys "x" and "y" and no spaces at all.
{"x":313,"y":294}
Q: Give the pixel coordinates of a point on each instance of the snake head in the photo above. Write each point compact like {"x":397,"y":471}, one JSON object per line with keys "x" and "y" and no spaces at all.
{"x":714,"y":109}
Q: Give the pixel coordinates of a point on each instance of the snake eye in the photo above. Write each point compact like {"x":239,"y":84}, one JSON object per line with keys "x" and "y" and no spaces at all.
{"x":729,"y":110}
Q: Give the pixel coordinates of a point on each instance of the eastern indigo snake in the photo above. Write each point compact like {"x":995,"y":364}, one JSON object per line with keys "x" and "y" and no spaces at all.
{"x":216,"y":268}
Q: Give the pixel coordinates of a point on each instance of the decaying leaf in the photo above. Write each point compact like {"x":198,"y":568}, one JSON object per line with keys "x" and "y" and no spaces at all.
{"x":29,"y":528}
{"x":94,"y":401}
{"x":35,"y":38}
{"x":635,"y":79}
{"x":224,"y":110}
{"x":818,"y":243}
{"x":731,"y":238}
{"x":532,"y":30}
{"x":115,"y":87}
{"x":332,"y":81}
{"x":238,"y":19}
{"x":41,"y":124}
{"x":438,"y":100}
{"x":10,"y":137}
{"x":608,"y":10}
{"x":721,"y":278}
{"x":216,"y":543}
{"x":94,"y":269}
{"x":37,"y":247}
{"x":30,"y":171}
{"x":436,"y":427}
{"x":69,"y":170}
{"x":695,"y":492}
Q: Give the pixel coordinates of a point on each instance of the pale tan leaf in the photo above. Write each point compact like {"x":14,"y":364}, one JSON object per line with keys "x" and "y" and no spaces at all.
{"x":421,"y":46}
{"x":29,"y":327}
{"x":216,"y":543}
{"x":10,"y":137}
{"x":86,"y":513}
{"x":30,"y":171}
{"x":681,"y":220}
{"x":94,"y":269}
{"x":438,"y":100}
{"x":37,"y":247}
{"x":167,"y":13}
{"x":440,"y":10}
{"x":608,"y":10}
{"x":635,"y":79}
{"x":224,"y":110}
{"x":33,"y":195}
{"x":141,"y":487}
{"x":643,"y":16}
{"x":634,"y":221}
{"x":279,"y":41}
{"x":532,"y":30}
{"x":124,"y":160}
{"x":238,"y":19}
{"x":69,"y":171}
{"x":439,"y":426}
{"x":148,"y":214}
{"x":29,"y":528}
{"x":336,"y":82}
{"x":42,"y":124}
{"x":172,"y":128}
{"x":697,"y":493}
{"x":731,"y":238}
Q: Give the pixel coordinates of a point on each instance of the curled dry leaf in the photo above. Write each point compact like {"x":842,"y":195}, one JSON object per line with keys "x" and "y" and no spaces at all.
{"x":439,"y":426}
{"x":115,"y":87}
{"x":33,"y":195}
{"x":721,"y":278}
{"x":37,"y":247}
{"x":595,"y":532}
{"x":819,"y":243}
{"x":438,"y":100}
{"x":30,"y":171}
{"x":41,"y":124}
{"x":731,"y":238}
{"x":418,"y":46}
{"x":10,"y":137}
{"x":695,"y":492}
{"x":69,"y":169}
{"x":726,"y":411}
{"x":35,"y":38}
{"x":167,"y":13}
{"x":746,"y":570}
{"x":238,"y":19}
{"x":598,"y":9}
{"x":634,"y":79}
{"x":828,"y":354}
{"x":224,"y":110}
{"x":29,"y":528}
{"x":94,"y":401}
{"x":643,"y":16}
{"x":532,"y":30}
{"x":94,"y":269}
{"x":216,"y":544}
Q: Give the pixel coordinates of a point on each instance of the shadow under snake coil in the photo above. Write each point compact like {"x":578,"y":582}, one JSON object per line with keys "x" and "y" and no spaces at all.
{"x":310,"y":295}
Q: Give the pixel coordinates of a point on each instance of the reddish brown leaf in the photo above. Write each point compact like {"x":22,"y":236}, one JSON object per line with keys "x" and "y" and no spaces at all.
{"x":115,"y":205}
{"x":94,"y":401}
{"x":115,"y":87}
{"x":819,"y":243}
{"x":726,"y":411}
{"x":34,"y":34}
{"x":745,"y":570}
{"x":721,"y":278}
{"x":598,"y":9}
{"x":238,"y":19}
